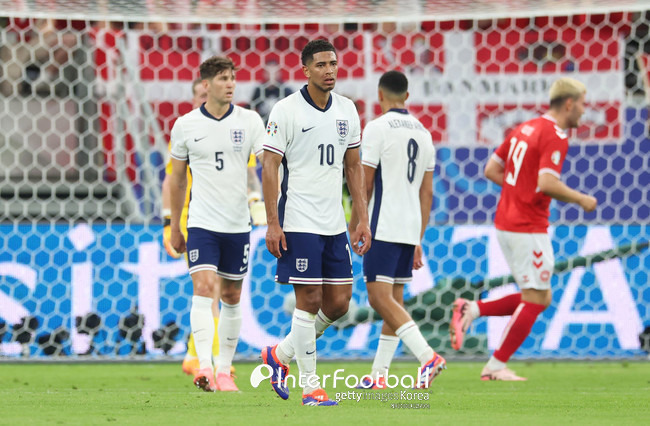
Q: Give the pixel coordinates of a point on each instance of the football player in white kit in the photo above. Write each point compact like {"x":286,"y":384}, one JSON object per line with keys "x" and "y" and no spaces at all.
{"x":313,"y":135}
{"x":216,"y":141}
{"x":398,"y":162}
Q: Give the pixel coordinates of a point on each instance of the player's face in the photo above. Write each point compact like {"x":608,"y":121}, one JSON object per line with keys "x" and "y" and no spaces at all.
{"x":221,"y":88}
{"x":321,"y":71}
{"x":200,"y":95}
{"x":577,"y":108}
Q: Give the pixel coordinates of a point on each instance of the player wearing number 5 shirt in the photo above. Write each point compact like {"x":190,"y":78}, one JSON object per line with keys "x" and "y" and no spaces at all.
{"x":527,"y":166}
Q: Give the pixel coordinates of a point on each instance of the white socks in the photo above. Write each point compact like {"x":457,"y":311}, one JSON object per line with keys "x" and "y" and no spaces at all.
{"x":322,"y":322}
{"x":285,"y":350}
{"x":410,"y":334}
{"x":229,"y":327}
{"x":384,"y":355}
{"x":303,"y":335}
{"x":202,"y":325}
{"x":494,"y":364}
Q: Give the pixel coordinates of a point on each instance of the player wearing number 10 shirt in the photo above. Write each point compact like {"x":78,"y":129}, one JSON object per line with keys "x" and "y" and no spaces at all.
{"x":527,"y":166}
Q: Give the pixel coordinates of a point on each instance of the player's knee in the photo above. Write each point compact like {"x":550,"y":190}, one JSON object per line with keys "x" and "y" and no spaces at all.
{"x":231,"y":294}
{"x":309,"y":299}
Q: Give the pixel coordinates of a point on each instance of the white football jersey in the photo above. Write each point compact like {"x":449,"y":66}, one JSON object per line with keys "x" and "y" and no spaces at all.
{"x":217,"y":152}
{"x":401,"y":150}
{"x":313,"y":142}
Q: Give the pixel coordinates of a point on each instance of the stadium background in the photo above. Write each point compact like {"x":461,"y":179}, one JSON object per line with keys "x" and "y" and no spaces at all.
{"x":91,"y":89}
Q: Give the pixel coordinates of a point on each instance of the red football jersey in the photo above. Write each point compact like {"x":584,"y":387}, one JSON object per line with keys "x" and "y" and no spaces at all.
{"x":535,"y":147}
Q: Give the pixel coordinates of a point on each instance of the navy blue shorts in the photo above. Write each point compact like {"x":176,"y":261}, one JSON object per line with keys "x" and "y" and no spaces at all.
{"x":225,"y":254}
{"x":315,"y":259}
{"x":390,"y":263}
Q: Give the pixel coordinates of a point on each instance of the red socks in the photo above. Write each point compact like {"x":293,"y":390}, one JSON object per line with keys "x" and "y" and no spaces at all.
{"x":499,"y":307}
{"x":517,"y":329}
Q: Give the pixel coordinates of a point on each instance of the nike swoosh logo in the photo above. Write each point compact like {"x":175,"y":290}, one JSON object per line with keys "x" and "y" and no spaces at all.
{"x":309,"y":353}
{"x":198,"y":139}
{"x":306,"y":130}
{"x":231,"y":338}
{"x":242,"y":268}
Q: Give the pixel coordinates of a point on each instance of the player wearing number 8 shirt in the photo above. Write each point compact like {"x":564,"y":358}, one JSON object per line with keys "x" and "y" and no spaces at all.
{"x":216,"y":141}
{"x":398,"y":157}
{"x":527,"y":166}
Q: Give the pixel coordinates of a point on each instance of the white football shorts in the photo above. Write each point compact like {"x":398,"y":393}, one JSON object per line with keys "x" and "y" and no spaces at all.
{"x":530,"y":258}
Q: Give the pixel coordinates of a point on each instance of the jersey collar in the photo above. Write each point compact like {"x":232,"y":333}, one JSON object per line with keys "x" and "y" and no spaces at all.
{"x":207,"y":114}
{"x":398,"y":110}
{"x":305,"y":94}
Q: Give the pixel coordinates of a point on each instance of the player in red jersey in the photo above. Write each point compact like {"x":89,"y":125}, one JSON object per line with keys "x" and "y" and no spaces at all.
{"x":527,"y":166}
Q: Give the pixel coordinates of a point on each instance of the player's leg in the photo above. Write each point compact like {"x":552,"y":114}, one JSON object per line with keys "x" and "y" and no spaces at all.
{"x":464,"y":311}
{"x":299,"y":266}
{"x":386,"y":265}
{"x":233,"y":266}
{"x":202,"y":249}
{"x":531,"y":261}
{"x":190,"y":361}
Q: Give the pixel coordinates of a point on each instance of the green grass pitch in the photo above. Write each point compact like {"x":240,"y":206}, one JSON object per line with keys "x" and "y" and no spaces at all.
{"x":556,"y":393}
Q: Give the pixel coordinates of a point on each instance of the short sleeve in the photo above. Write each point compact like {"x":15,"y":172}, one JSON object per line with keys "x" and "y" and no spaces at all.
{"x":178,"y":149}
{"x":277,"y":130}
{"x":257,"y":130}
{"x":500,"y":155}
{"x":371,"y":146}
{"x":355,"y":129}
{"x":553,"y":151}
{"x":431,"y":164}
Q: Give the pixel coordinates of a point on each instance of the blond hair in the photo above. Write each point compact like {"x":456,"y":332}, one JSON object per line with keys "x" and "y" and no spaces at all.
{"x":565,"y":88}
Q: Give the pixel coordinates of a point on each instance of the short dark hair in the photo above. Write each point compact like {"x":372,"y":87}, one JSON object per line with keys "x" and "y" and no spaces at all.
{"x":214,"y":66}
{"x":313,"y":47}
{"x":394,"y":82}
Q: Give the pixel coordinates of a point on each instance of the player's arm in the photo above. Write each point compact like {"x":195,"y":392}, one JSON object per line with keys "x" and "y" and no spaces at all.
{"x":255,"y":203}
{"x":167,"y":214}
{"x":494,"y":170}
{"x":275,"y":238}
{"x":360,"y":236}
{"x":177,"y":189}
{"x":552,"y":186}
{"x":426,"y":200}
{"x":369,"y":176}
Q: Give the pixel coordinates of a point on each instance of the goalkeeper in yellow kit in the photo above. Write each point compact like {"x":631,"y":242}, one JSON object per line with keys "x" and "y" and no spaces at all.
{"x":258,"y":216}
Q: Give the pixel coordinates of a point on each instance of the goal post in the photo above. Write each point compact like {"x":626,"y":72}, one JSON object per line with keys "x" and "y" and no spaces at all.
{"x":90,"y":91}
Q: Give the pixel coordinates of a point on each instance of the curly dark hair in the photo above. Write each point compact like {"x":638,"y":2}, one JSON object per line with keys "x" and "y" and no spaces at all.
{"x":313,"y":47}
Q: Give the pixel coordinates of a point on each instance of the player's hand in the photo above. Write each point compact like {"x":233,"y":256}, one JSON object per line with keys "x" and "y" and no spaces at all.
{"x":178,"y":241}
{"x":275,"y":240}
{"x":417,"y":258}
{"x":258,"y":212}
{"x":167,"y":242}
{"x":588,"y":203}
{"x":360,"y":239}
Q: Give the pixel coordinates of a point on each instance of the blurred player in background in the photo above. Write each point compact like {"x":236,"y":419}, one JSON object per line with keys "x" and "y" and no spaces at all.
{"x":398,"y":162}
{"x":258,"y":215}
{"x":527,"y":166}
{"x":216,"y":141}
{"x":314,"y":134}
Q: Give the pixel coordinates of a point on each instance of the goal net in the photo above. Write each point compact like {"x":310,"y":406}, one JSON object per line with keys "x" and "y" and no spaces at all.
{"x":90,"y":91}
